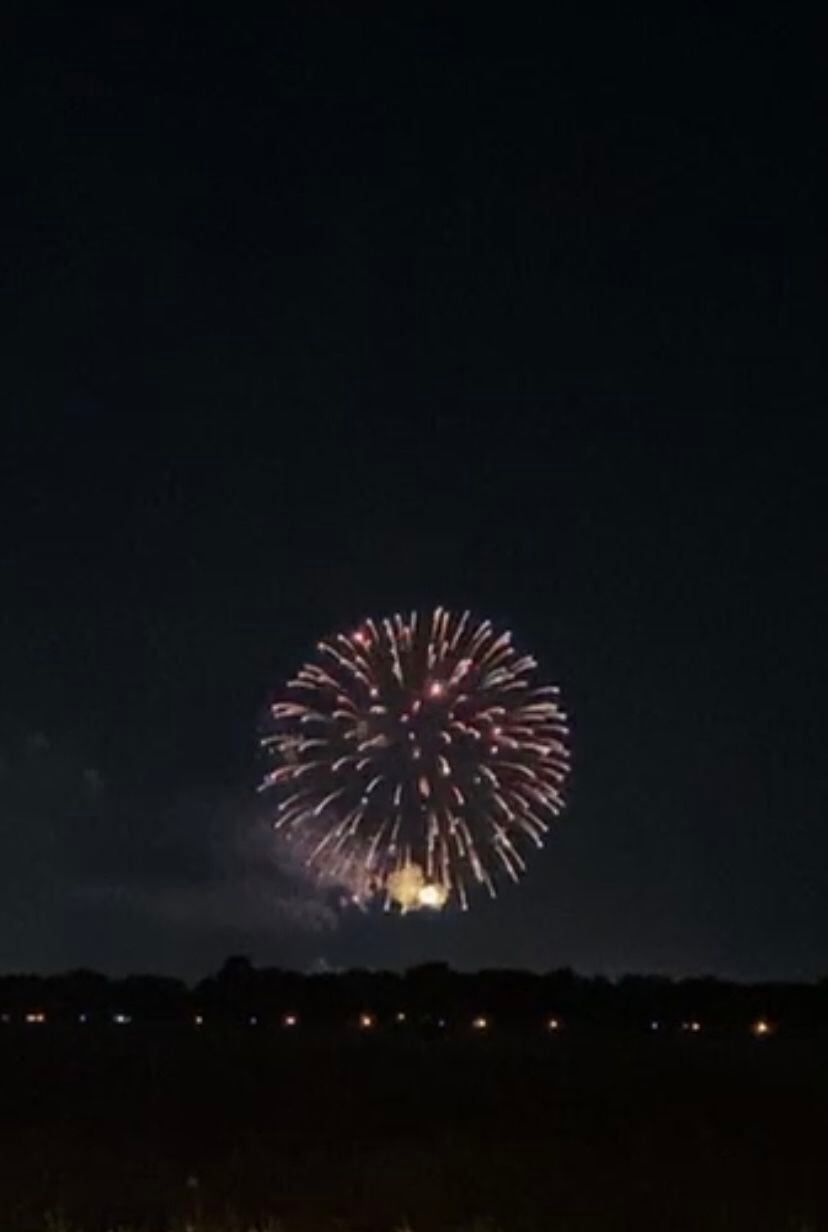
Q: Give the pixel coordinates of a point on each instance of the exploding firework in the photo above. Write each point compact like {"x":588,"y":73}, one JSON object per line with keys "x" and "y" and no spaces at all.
{"x":416,"y":759}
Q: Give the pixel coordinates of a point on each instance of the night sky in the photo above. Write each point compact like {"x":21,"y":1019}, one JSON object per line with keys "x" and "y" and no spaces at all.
{"x":315,"y":315}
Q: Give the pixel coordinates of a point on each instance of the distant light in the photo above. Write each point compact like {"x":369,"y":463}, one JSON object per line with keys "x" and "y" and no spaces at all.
{"x":198,"y":1021}
{"x":5,"y":1017}
{"x":762,"y":1027}
{"x":36,"y":1017}
{"x":480,"y":1023}
{"x":553,"y":1024}
{"x":435,"y":689}
{"x":693,"y":1026}
{"x":290,"y":1020}
{"x":253,"y":1020}
{"x":82,"y":1018}
{"x":655,"y":1025}
{"x":366,"y":1021}
{"x":441,"y":1022}
{"x":122,"y":1020}
{"x":400,"y":1017}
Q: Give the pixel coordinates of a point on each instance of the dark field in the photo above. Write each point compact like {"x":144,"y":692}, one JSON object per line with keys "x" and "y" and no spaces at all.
{"x":105,"y":1126}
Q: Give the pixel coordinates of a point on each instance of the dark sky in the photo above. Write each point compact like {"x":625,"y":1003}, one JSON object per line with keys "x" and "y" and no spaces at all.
{"x":316,"y":314}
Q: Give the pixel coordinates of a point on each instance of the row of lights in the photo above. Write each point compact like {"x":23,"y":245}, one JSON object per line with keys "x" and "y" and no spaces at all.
{"x":366,"y":1022}
{"x":482,"y":1023}
{"x":37,"y":1018}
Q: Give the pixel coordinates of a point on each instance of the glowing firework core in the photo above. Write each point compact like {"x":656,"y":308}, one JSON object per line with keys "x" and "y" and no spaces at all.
{"x":415,"y":757}
{"x":433,"y":895}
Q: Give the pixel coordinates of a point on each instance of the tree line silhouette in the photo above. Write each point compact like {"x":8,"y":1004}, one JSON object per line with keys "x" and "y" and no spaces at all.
{"x":430,"y":995}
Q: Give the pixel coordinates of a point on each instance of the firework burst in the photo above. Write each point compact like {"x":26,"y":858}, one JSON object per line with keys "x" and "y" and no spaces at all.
{"x":415,"y":759}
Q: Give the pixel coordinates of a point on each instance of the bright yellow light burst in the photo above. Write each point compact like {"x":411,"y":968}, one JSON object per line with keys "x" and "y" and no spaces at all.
{"x":433,"y":895}
{"x":405,"y":886}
